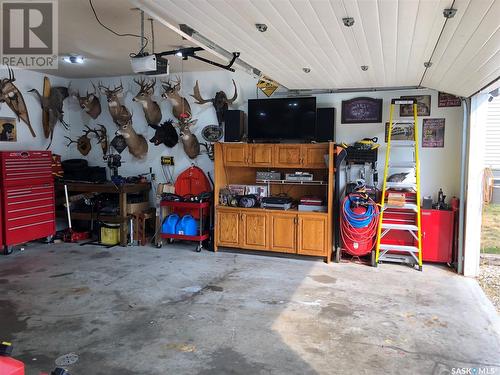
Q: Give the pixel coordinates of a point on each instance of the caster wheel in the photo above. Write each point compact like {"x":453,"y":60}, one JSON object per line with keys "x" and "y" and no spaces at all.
{"x":50,"y":239}
{"x":170,"y":241}
{"x":159,"y":245}
{"x":7,"y":250}
{"x":337,"y":256}
{"x":420,"y":268}
{"x":198,"y":248}
{"x":373,"y":258}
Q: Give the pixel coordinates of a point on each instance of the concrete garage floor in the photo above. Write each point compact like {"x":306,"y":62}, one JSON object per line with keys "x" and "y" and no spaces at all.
{"x":154,"y":311}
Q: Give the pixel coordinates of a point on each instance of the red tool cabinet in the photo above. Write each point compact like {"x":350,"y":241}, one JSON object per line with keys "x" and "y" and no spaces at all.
{"x":27,"y":197}
{"x":437,"y":235}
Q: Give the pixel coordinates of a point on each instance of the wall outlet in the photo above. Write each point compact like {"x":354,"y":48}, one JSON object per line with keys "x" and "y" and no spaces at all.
{"x":167,"y":160}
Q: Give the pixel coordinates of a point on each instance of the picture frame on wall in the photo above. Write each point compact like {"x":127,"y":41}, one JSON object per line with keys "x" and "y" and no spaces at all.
{"x":433,"y":132}
{"x":423,"y":106}
{"x":401,"y":131}
{"x":362,"y":110}
{"x":8,"y":129}
{"x":448,"y":100}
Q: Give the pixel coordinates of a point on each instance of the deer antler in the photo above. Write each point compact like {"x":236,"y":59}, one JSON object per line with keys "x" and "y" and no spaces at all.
{"x":230,"y":101}
{"x":70,"y":141}
{"x":198,"y":96}
{"x":89,"y":130}
{"x":95,"y":88}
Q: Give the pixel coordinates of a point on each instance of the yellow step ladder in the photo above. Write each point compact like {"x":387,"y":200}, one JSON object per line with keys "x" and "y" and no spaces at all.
{"x":402,"y":217}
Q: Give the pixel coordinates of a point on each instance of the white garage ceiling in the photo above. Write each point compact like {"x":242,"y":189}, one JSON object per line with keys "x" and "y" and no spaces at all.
{"x":393,"y":38}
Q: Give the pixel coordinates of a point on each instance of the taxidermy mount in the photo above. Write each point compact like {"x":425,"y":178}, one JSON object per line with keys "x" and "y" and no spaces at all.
{"x":11,"y":95}
{"x":219,"y":101}
{"x":179,"y":104}
{"x":151,"y":108}
{"x":165,"y":133}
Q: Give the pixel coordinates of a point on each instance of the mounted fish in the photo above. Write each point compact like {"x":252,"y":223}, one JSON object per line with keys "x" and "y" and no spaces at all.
{"x":83,"y":143}
{"x":219,"y":101}
{"x":165,"y":133}
{"x":188,"y":139}
{"x":11,"y":95}
{"x":136,"y":143}
{"x":52,"y":106}
{"x":116,"y":109}
{"x":151,"y":108}
{"x":90,"y":103}
{"x":180,"y":105}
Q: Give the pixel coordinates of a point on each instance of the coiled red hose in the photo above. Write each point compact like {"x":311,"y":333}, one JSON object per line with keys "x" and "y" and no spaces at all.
{"x":358,"y":240}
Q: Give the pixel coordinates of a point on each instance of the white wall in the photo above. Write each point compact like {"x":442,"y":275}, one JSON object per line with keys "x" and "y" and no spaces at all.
{"x":440,"y":167}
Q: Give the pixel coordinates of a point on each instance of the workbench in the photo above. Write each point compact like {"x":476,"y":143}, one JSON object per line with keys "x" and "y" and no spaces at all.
{"x":109,"y":188}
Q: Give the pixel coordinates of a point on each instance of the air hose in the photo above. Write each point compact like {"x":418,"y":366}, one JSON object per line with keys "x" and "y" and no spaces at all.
{"x":359,"y":219}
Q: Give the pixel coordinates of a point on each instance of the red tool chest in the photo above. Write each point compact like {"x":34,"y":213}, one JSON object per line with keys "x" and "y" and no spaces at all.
{"x":437,"y":235}
{"x":27,"y":196}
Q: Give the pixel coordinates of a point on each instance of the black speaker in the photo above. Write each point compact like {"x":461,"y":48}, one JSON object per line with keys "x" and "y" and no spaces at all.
{"x":234,"y":125}
{"x":325,"y":125}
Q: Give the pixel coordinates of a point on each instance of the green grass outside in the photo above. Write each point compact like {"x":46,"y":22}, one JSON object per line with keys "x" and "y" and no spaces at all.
{"x":490,"y":236}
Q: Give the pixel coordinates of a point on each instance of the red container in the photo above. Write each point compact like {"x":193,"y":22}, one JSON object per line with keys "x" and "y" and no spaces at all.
{"x":27,"y":198}
{"x":11,"y":366}
{"x":437,"y":235}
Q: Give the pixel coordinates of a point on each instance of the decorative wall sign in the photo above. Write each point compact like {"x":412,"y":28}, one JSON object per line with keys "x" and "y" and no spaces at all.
{"x":401,"y":131}
{"x":119,"y":144}
{"x":361,"y":111}
{"x":212,"y":133}
{"x":8,"y":130}
{"x":433,"y":132}
{"x":448,"y":100}
{"x":423,"y":106}
{"x":267,"y":85}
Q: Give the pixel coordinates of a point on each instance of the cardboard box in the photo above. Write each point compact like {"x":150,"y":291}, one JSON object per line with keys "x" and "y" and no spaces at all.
{"x":135,"y":208}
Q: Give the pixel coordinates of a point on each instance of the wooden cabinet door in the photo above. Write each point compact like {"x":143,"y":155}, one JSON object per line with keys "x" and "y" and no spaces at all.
{"x":261,"y":155}
{"x":314,"y":155}
{"x":283,"y":232}
{"x":235,"y":154}
{"x":287,"y":156}
{"x":228,"y":228}
{"x":254,"y":230}
{"x":312,"y":234}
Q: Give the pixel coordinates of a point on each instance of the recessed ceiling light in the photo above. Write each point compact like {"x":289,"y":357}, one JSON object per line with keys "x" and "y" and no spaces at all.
{"x":449,"y":12}
{"x":306,"y":70}
{"x":262,"y":27}
{"x":427,"y":64}
{"x":364,"y":68}
{"x":72,"y":59}
{"x":348,"y":21}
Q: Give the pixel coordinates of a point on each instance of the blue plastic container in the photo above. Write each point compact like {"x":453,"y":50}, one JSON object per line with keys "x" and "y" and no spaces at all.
{"x":169,"y":225}
{"x":187,"y":226}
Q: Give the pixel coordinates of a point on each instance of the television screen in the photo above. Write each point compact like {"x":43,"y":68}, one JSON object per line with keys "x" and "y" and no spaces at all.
{"x":282,"y":119}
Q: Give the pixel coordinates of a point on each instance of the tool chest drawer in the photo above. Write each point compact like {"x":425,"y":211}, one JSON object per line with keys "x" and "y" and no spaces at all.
{"x":25,"y":167}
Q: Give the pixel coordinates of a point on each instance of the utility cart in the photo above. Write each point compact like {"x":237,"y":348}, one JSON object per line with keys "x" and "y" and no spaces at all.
{"x":204,"y":215}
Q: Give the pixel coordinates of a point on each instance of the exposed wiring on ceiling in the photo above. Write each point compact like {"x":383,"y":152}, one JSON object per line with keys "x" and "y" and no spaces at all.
{"x":142,"y":37}
{"x":435,"y":47}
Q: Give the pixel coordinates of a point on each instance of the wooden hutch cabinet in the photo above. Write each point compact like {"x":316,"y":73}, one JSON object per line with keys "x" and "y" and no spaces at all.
{"x":290,"y":231}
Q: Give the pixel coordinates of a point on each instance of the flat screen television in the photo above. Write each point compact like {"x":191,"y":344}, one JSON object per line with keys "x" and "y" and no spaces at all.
{"x":283,"y":119}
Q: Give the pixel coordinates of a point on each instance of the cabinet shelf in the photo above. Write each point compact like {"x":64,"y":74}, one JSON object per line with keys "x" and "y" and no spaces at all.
{"x":288,"y":182}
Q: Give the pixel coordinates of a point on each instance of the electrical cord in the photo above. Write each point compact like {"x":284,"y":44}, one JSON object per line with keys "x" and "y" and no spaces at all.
{"x":120,"y":34}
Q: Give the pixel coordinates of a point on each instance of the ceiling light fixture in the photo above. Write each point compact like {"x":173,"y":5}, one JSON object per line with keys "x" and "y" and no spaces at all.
{"x":348,"y":21}
{"x":262,"y":27}
{"x":449,"y":12}
{"x":178,"y":54}
{"x":364,"y":68}
{"x":306,"y":70}
{"x":73,"y":59}
{"x":427,"y":64}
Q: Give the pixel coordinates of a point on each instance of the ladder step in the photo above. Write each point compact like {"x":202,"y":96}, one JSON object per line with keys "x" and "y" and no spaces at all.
{"x":403,"y":164}
{"x":406,"y":206}
{"x":410,"y":144}
{"x":397,"y":258}
{"x":399,"y":226}
{"x":401,"y":185}
{"x":407,"y":248}
{"x":402,"y":121}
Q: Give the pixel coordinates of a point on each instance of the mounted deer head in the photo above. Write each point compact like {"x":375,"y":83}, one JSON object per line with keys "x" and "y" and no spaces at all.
{"x":90,"y":103}
{"x":11,"y":95}
{"x":188,"y":139}
{"x":53,"y":106}
{"x":220,"y":101}
{"x":179,"y":104}
{"x":165,"y":133}
{"x":82,"y":142}
{"x":151,"y":108}
{"x":116,"y":109}
{"x":136,"y":143}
